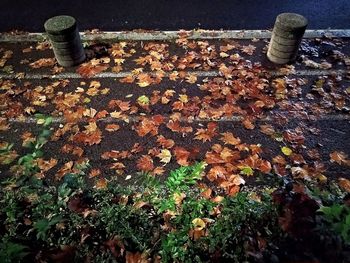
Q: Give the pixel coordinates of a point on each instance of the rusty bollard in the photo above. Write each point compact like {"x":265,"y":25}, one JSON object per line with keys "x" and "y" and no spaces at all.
{"x":287,"y":34}
{"x":65,"y":39}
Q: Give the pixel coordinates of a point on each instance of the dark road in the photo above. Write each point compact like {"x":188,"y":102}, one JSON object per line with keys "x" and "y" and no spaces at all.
{"x":116,"y":15}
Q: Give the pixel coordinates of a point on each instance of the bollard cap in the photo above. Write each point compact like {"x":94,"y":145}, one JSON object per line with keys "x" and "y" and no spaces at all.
{"x":291,"y":21}
{"x":59,"y":25}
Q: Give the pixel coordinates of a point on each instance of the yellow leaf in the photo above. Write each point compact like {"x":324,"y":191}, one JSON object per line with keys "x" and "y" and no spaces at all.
{"x":178,"y":198}
{"x":143,"y":84}
{"x":286,"y":150}
{"x":164,"y":156}
{"x":40,"y":121}
{"x":198,"y":223}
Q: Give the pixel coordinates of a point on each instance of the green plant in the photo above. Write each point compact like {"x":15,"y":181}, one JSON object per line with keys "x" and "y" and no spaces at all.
{"x":12,"y":252}
{"x":338,"y":217}
{"x":27,"y":161}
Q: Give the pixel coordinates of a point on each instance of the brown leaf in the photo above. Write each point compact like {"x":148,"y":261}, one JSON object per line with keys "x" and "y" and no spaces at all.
{"x":101,"y":184}
{"x":344,"y":184}
{"x":43,"y":62}
{"x":112,"y":127}
{"x":165,"y":143}
{"x":248,"y":124}
{"x":206,"y":134}
{"x":229,"y":138}
{"x":136,"y":257}
{"x":145,"y":163}
{"x":181,"y":155}
{"x":89,"y":69}
{"x":216,"y":172}
{"x":94,"y":172}
{"x":340,"y":158}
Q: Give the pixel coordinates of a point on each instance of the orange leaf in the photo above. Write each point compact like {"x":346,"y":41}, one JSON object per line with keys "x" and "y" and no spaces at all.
{"x":165,"y":143}
{"x":43,"y":62}
{"x":94,"y":172}
{"x":89,"y":69}
{"x":265,"y":166}
{"x":340,"y":158}
{"x":145,"y":163}
{"x":248,"y":124}
{"x":112,"y":127}
{"x":228,"y":138}
{"x":213,"y":158}
{"x":181,"y":155}
{"x":101,"y":184}
{"x":267,"y":129}
{"x":344,"y":184}
{"x":135,"y":257}
{"x":216,"y":172}
{"x":146,"y":126}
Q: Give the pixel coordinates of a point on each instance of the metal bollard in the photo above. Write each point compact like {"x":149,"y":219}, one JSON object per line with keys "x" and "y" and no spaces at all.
{"x":287,"y":34}
{"x":65,"y":39}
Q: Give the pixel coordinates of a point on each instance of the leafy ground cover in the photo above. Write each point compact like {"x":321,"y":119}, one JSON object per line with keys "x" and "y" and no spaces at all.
{"x":184,"y":151}
{"x":179,"y":220}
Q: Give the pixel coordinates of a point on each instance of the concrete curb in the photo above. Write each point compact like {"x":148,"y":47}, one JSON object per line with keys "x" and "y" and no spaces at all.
{"x":329,"y":117}
{"x":72,"y":75}
{"x":169,"y":35}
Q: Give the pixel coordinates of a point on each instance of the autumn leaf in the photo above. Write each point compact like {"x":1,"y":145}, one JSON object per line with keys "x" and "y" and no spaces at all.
{"x":213,"y":158}
{"x":143,"y":100}
{"x":264,"y":166}
{"x":286,"y":150}
{"x":206,"y":134}
{"x":176,"y":127}
{"x":101,"y":184}
{"x":43,"y":62}
{"x":165,"y":143}
{"x":112,"y":127}
{"x":145,"y":127}
{"x":136,"y":257}
{"x":94,"y":172}
{"x":145,"y":163}
{"x":164,"y":156}
{"x":344,"y":184}
{"x":91,"y":68}
{"x":198,"y":224}
{"x":44,"y":166}
{"x":248,"y":124}
{"x":216,"y":172}
{"x":229,"y":138}
{"x":248,"y":49}
{"x":340,"y":158}
{"x":181,"y":155}
{"x":267,"y":129}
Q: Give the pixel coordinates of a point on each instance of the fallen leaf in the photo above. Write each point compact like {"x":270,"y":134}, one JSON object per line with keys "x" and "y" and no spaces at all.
{"x":112,"y":127}
{"x":340,"y":158}
{"x":164,"y":156}
{"x":101,"y":184}
{"x":43,"y":62}
{"x":344,"y":184}
{"x":229,"y":138}
{"x":145,"y":163}
{"x":181,"y":155}
{"x":286,"y":150}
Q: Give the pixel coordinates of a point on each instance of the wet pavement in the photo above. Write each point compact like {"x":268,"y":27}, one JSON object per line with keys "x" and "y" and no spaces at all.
{"x":171,"y":103}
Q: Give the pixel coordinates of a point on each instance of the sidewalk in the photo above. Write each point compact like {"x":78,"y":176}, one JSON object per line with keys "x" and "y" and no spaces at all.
{"x":153,"y":105}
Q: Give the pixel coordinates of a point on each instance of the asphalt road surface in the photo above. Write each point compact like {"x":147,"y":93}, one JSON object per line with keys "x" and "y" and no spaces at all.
{"x":115,"y":15}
